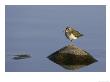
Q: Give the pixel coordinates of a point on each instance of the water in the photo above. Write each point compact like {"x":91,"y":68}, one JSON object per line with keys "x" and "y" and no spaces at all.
{"x":38,"y":31}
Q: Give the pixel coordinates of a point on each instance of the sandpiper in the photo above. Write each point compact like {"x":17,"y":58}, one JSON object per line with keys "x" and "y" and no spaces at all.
{"x":72,"y":34}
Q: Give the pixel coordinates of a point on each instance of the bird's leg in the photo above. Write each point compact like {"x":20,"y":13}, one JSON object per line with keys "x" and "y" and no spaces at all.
{"x":71,"y":42}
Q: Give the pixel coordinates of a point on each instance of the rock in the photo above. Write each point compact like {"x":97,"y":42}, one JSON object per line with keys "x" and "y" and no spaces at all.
{"x":21,"y":56}
{"x":72,"y":57}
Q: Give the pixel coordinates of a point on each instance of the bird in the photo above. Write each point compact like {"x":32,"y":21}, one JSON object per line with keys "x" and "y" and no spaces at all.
{"x":72,"y":34}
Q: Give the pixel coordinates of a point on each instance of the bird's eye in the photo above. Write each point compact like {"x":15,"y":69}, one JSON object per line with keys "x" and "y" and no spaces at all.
{"x":67,"y":29}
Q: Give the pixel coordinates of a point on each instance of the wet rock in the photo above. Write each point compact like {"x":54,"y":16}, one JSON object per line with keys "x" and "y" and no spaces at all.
{"x":72,"y":57}
{"x":21,"y":56}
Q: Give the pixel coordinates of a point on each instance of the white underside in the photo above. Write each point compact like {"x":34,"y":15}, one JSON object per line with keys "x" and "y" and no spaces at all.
{"x":72,"y":37}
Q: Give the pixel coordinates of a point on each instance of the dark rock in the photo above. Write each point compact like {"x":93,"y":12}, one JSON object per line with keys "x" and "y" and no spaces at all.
{"x":21,"y":56}
{"x":71,"y":57}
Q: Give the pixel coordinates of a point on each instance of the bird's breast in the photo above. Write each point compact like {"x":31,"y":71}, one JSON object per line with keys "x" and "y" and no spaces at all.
{"x":72,"y":36}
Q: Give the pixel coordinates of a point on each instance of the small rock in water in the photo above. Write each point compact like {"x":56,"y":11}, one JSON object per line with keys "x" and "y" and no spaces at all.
{"x":72,"y":57}
{"x":21,"y":56}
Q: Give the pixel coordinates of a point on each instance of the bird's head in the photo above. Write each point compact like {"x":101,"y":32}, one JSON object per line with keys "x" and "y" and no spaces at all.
{"x":68,"y":29}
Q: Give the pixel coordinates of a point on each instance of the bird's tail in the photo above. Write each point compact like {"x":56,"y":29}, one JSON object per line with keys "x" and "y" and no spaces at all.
{"x":81,"y":34}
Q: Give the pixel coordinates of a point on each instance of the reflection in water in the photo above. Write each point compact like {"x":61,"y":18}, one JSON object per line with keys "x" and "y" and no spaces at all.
{"x":71,"y":57}
{"x":72,"y":67}
{"x":21,"y":56}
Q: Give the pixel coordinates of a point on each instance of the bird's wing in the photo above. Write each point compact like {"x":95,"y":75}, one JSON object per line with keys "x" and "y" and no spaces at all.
{"x":76,"y":33}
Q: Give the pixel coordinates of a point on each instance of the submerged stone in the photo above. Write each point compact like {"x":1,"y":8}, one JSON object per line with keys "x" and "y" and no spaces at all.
{"x":21,"y":56}
{"x":72,"y":57}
